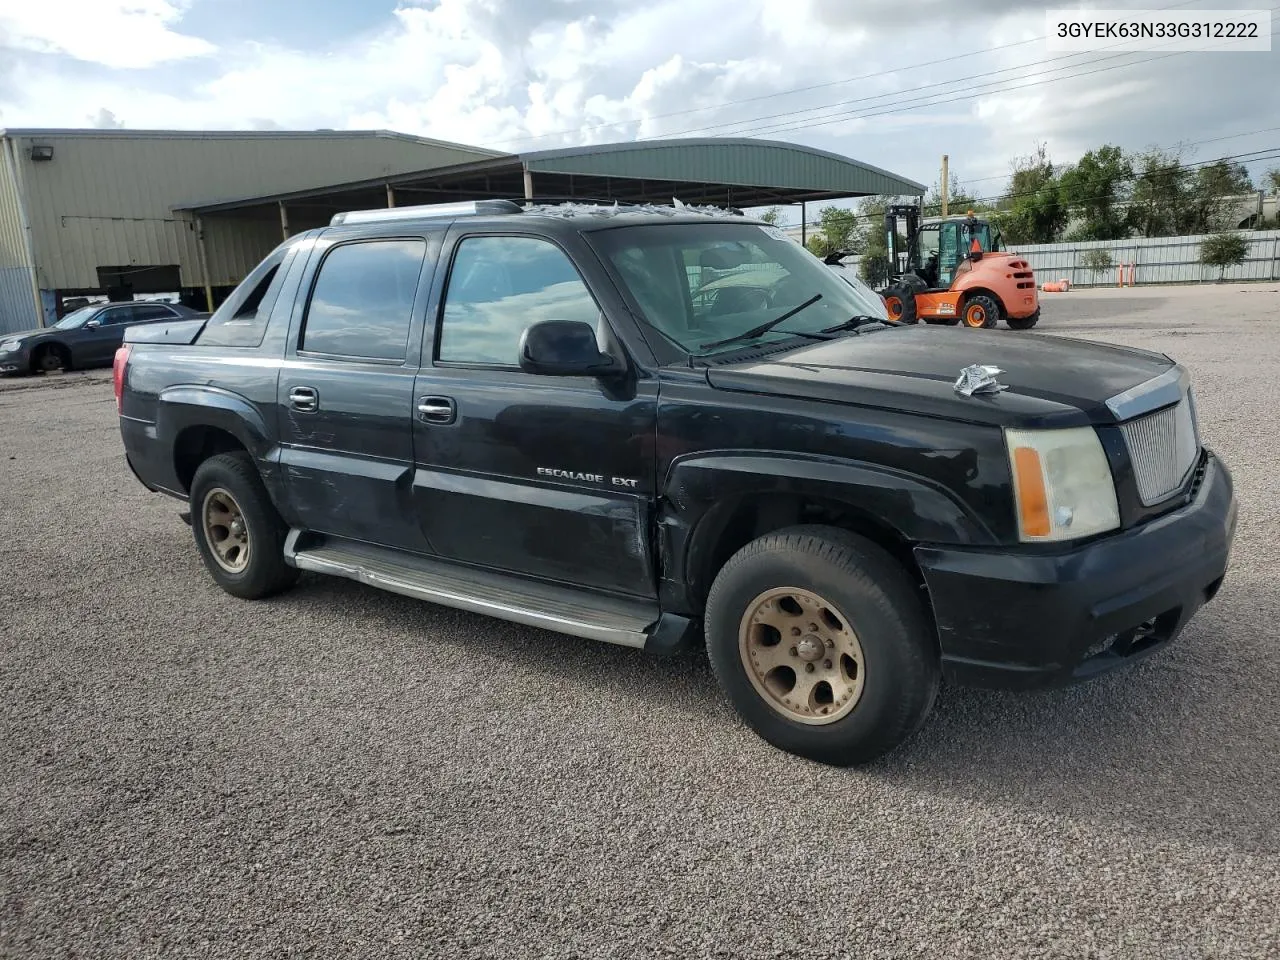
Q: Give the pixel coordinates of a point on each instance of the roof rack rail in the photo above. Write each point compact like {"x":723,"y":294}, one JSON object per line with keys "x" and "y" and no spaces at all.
{"x":469,"y":208}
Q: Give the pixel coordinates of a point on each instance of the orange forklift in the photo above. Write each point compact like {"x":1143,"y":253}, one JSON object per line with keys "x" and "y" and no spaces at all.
{"x":955,"y":270}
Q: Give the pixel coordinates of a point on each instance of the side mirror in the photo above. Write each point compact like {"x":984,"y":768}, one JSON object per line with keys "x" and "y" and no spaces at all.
{"x":93,"y":325}
{"x":564,"y":348}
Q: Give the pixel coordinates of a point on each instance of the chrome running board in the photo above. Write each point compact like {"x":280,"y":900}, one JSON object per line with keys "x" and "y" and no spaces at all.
{"x":515,"y":599}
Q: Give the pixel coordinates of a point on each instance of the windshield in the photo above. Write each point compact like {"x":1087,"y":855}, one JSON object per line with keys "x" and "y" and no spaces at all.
{"x":700,"y":284}
{"x":77,"y":317}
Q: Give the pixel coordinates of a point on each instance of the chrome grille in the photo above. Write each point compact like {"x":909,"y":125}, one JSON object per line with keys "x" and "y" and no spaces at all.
{"x":1163,"y":447}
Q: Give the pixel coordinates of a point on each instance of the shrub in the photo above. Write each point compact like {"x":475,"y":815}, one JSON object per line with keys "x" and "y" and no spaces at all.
{"x":1222,"y":250}
{"x":1096,"y":261}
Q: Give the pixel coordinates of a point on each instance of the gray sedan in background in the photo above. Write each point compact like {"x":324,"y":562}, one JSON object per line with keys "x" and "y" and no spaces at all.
{"x":87,"y":337}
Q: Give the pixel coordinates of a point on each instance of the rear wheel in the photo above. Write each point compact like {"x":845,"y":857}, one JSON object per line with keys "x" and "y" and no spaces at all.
{"x":237,"y":530}
{"x":51,"y":358}
{"x":980,"y":311}
{"x":1023,"y":323}
{"x":821,"y":643}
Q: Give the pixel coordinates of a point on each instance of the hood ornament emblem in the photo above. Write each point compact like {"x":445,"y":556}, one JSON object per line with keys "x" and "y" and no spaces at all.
{"x":977,"y":378}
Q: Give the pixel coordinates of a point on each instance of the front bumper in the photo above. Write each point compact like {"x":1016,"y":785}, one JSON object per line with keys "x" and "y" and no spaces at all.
{"x":1024,"y":619}
{"x":19,"y":361}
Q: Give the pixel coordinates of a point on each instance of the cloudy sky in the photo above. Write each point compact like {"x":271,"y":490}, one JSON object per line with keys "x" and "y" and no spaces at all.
{"x":896,"y":83}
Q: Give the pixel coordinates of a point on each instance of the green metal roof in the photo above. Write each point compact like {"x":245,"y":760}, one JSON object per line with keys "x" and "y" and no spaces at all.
{"x":726,"y":160}
{"x":721,"y":170}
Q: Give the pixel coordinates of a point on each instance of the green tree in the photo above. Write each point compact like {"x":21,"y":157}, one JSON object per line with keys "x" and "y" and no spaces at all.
{"x":772,"y":216}
{"x":1222,"y":250}
{"x":1212,"y":194}
{"x":959,"y":201}
{"x":875,"y":268}
{"x":1096,"y":188}
{"x":839,"y":227}
{"x":817,"y":245}
{"x":1271,"y":181}
{"x":1032,"y":211}
{"x":1159,"y":194}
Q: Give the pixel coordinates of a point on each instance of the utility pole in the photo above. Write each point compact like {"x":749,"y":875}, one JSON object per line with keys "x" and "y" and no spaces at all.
{"x":946,"y":185}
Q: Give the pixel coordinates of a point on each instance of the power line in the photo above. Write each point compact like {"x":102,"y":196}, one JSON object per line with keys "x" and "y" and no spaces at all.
{"x":819,"y":86}
{"x":907,"y":106}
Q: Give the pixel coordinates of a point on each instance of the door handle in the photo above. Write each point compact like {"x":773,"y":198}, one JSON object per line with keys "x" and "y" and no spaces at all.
{"x":304,"y":398}
{"x":437,"y":409}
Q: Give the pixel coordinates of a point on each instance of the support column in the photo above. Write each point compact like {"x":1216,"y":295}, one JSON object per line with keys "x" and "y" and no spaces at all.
{"x":204,"y":264}
{"x":284,"y":221}
{"x":946,"y":184}
{"x":528,"y":184}
{"x":804,"y":225}
{"x":391,"y":195}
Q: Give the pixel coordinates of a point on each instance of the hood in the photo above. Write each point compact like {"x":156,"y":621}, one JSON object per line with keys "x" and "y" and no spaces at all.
{"x":1052,"y":381}
{"x":22,"y":334}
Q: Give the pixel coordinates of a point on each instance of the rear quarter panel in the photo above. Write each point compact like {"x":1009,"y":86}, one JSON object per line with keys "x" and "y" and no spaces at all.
{"x":173,"y":384}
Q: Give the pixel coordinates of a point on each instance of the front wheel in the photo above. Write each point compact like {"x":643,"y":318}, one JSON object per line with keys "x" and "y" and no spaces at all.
{"x":980,"y":311}
{"x":237,"y":530}
{"x":820,"y":641}
{"x":1023,"y":323}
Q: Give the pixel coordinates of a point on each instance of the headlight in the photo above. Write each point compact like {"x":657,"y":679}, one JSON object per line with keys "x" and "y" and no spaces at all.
{"x":9,"y":346}
{"x":1062,"y":484}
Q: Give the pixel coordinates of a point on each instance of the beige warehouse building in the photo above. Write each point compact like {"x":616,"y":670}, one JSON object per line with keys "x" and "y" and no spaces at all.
{"x":100,"y":212}
{"x":127,"y":214}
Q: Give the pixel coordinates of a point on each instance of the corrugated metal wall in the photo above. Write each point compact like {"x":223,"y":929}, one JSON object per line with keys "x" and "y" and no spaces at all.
{"x":1159,"y":260}
{"x":17,"y":302}
{"x":106,"y":200}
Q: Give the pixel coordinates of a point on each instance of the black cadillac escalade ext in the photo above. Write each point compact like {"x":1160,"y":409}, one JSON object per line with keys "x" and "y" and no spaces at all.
{"x":659,"y":425}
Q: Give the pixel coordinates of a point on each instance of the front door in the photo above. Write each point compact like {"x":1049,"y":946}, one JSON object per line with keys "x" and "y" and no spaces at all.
{"x":549,"y":477}
{"x":345,"y":392}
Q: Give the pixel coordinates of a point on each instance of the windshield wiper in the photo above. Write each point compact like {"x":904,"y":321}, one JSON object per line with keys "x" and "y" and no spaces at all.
{"x":858,"y":321}
{"x":764,"y":327}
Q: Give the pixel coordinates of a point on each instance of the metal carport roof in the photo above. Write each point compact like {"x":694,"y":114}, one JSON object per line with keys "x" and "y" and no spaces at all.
{"x":735,"y":172}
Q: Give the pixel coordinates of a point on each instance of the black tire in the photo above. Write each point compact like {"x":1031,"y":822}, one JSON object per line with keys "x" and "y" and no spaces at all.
{"x":1023,"y":323}
{"x":980,"y":312}
{"x":900,"y":303}
{"x":51,"y":358}
{"x":882,"y":604}
{"x":264,"y":571}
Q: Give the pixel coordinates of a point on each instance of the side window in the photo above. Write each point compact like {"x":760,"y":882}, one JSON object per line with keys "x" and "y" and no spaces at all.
{"x":362,"y":301}
{"x":928,"y":242}
{"x":151,"y":312}
{"x":116,"y":315}
{"x":247,"y":325}
{"x":499,"y":286}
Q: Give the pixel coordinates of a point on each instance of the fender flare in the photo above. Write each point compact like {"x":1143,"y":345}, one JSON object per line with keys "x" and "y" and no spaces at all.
{"x":192,"y":405}
{"x":917,"y":509}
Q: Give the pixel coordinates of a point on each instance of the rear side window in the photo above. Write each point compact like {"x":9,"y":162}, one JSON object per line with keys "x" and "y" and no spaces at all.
{"x":362,"y":301}
{"x":151,"y":313}
{"x":244,"y":323}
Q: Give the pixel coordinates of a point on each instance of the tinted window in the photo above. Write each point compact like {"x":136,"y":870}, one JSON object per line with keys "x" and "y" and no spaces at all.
{"x":151,"y":312}
{"x":116,"y":315}
{"x":501,"y":285}
{"x":362,"y":302}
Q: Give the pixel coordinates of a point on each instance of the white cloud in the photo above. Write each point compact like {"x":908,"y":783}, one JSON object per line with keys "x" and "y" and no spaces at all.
{"x":532,"y":74}
{"x":123,"y":34}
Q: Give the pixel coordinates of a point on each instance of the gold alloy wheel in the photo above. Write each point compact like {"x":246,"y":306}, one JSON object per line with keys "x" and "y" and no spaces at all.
{"x":225,"y":530}
{"x":975,"y":315}
{"x":802,"y":656}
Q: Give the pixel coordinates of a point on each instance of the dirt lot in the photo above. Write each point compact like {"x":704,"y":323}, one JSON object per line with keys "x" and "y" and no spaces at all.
{"x":342,"y":772}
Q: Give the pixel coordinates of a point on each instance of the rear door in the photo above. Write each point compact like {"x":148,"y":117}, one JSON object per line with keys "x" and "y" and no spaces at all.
{"x":345,"y":395}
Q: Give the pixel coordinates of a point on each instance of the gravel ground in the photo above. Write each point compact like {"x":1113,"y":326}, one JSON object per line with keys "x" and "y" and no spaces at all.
{"x":341,"y":772}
